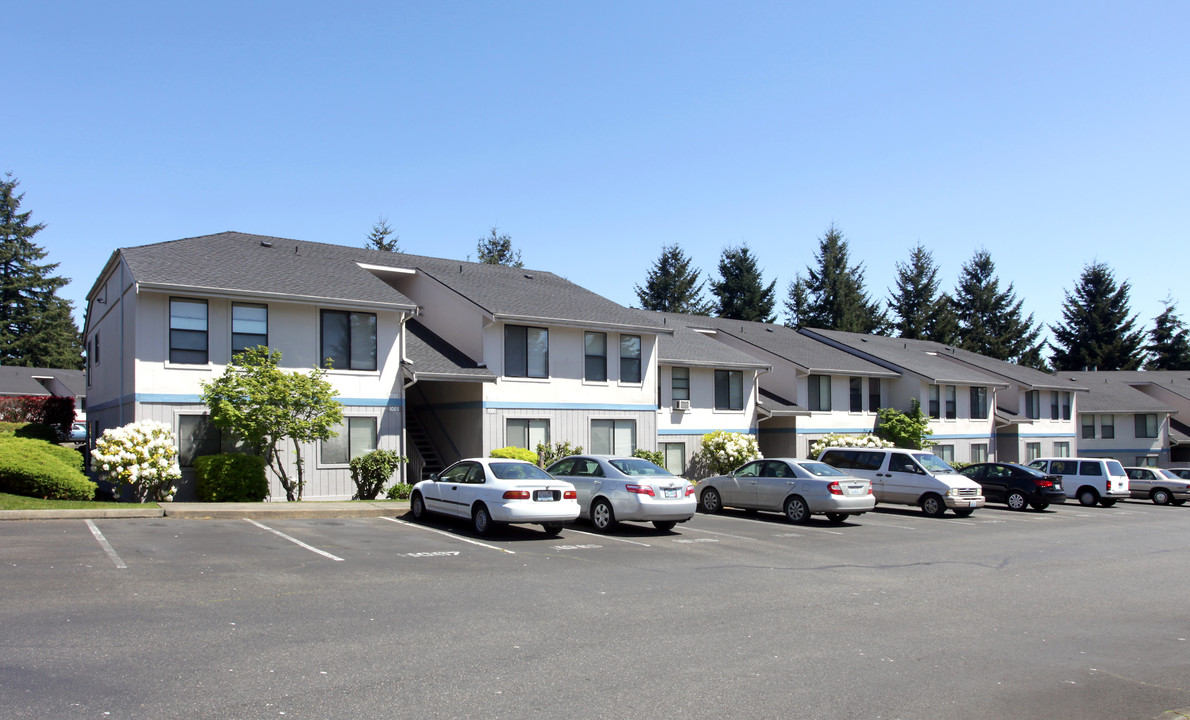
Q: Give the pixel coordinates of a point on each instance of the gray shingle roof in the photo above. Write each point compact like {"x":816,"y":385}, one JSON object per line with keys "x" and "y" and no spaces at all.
{"x":778,"y":405}
{"x":432,"y":356}
{"x":687,"y":347}
{"x":922,"y":358}
{"x":1114,"y":393}
{"x":1174,"y":381}
{"x":16,"y":380}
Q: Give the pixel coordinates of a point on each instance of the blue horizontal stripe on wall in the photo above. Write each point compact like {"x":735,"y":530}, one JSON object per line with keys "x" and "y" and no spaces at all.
{"x":166,"y":398}
{"x":498,"y":405}
{"x":960,"y":437}
{"x":1091,"y":452}
{"x":699,"y":431}
{"x":372,"y":402}
{"x":1046,"y":435}
{"x":197,"y":399}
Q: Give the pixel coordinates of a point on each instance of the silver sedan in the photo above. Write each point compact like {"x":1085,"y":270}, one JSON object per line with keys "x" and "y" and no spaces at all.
{"x":611,"y":489}
{"x":798,"y":488}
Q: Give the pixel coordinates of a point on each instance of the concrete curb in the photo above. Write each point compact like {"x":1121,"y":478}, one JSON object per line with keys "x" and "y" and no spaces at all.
{"x":221,"y":510}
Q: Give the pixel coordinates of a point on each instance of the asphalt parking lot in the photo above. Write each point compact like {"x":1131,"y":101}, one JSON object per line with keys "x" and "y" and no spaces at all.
{"x":1074,"y":612}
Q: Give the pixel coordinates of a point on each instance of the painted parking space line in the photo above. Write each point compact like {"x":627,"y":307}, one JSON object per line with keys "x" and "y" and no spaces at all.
{"x":884,"y":524}
{"x":608,"y":537}
{"x":107,"y":547}
{"x":295,"y":541}
{"x":449,"y":535}
{"x":822,"y":530}
{"x":712,"y":532}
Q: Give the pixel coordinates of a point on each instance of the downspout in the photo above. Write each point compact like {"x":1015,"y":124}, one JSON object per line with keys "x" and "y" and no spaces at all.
{"x":123,"y":290}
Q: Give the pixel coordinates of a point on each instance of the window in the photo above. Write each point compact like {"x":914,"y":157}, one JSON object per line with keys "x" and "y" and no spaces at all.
{"x":934,"y":407}
{"x":1033,"y":404}
{"x":979,"y":403}
{"x":952,"y":403}
{"x":1065,"y":406}
{"x":630,"y":358}
{"x":89,"y":364}
{"x":1054,"y":411}
{"x":1146,"y":460}
{"x":595,"y":368}
{"x":675,"y":457}
{"x":197,"y":436}
{"x":729,"y":390}
{"x":873,"y":394}
{"x":526,"y":351}
{"x":187,"y":332}
{"x":1107,"y":426}
{"x":1088,"y":427}
{"x":1092,"y":468}
{"x":249,"y":326}
{"x":613,"y":437}
{"x":1032,"y":451}
{"x":526,"y":433}
{"x":1061,"y":449}
{"x":680,"y":383}
{"x":820,"y":392}
{"x":348,"y":340}
{"x":945,"y":452}
{"x":856,"y":388}
{"x":979,"y":452}
{"x":1146,"y":426}
{"x":357,"y":436}
{"x":96,"y":347}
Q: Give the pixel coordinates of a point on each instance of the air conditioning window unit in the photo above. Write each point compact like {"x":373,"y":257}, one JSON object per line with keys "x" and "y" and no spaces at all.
{"x":681,"y":405}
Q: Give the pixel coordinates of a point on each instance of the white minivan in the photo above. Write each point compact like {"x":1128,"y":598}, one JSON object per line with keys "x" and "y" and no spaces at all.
{"x":909,"y":477}
{"x":1089,"y":480}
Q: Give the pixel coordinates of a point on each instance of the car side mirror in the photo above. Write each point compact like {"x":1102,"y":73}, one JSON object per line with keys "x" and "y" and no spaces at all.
{"x":434,"y":477}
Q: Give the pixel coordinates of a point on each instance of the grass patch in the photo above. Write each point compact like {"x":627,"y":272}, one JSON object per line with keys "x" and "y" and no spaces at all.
{"x":19,"y":502}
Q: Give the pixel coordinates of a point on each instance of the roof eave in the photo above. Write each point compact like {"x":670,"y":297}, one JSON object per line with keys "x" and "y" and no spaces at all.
{"x":255,"y":294}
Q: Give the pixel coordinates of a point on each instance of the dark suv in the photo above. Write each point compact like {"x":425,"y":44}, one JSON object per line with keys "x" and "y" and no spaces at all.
{"x":1016,"y":485}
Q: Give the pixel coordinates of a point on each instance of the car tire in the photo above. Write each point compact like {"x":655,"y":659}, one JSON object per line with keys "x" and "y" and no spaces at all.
{"x":602,"y":515}
{"x":710,"y":501}
{"x":836,"y":518}
{"x":963,"y":512}
{"x":482,"y":520}
{"x":664,"y":525}
{"x":1039,"y":506}
{"x":417,"y":506}
{"x":796,"y":510}
{"x":1016,"y":501}
{"x":1107,"y":502}
{"x":1088,"y":497}
{"x":551,"y":528}
{"x":1161,"y":496}
{"x":933,"y":506}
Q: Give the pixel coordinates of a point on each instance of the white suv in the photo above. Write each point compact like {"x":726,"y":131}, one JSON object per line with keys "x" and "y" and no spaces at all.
{"x":1089,"y":480}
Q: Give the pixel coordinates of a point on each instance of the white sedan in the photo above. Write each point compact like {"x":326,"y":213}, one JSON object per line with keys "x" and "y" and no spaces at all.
{"x":495,"y":491}
{"x":611,"y":489}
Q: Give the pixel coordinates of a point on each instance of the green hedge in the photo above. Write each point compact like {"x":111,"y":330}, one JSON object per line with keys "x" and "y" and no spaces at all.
{"x":230,"y":477}
{"x":37,"y":431}
{"x":35,"y":468}
{"x":515,"y":453}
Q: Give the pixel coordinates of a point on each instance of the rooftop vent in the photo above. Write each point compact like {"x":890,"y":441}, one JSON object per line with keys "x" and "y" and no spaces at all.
{"x":265,"y":243}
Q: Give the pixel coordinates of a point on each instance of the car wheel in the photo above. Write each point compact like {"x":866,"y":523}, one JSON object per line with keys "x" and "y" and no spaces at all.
{"x":602,"y":515}
{"x":1088,"y":497}
{"x":836,"y":518}
{"x":797,"y":510}
{"x":964,"y":512}
{"x":417,"y":506}
{"x":664,"y":525}
{"x":1177,"y":502}
{"x":552,"y":528}
{"x":1016,"y":501}
{"x":710,"y":500}
{"x":1161,"y":496}
{"x":933,"y":506}
{"x":482,"y":520}
{"x":1040,"y":506}
{"x":1107,"y":502}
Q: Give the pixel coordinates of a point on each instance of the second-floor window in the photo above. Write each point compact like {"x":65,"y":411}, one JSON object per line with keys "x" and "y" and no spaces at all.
{"x":1065,"y":406}
{"x":873,"y":394}
{"x":819,"y":392}
{"x":249,"y":326}
{"x":187,"y":331}
{"x":935,"y":402}
{"x":680,"y":383}
{"x":952,"y":403}
{"x":979,"y":403}
{"x":526,"y":351}
{"x":729,"y":390}
{"x":348,"y":340}
{"x":1033,"y":404}
{"x":630,"y":358}
{"x":855,"y":388}
{"x":1088,"y":422}
{"x":595,"y":366}
{"x":1107,"y":426}
{"x":1146,"y":426}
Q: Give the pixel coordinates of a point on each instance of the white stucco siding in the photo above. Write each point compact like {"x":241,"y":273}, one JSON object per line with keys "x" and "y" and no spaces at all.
{"x":447,"y":314}
{"x":703,"y":417}
{"x":1126,"y":446}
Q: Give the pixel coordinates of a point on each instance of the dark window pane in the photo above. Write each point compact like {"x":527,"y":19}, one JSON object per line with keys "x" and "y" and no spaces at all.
{"x":335,"y":340}
{"x":363,"y":341}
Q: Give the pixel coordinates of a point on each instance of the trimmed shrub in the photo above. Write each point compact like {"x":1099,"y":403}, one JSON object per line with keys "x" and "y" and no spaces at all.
{"x":35,"y":468}
{"x":400,"y":491}
{"x":371,"y":471}
{"x":514,"y":453}
{"x":654,"y":456}
{"x":230,"y":477}
{"x":57,"y":412}
{"x":37,"y":431}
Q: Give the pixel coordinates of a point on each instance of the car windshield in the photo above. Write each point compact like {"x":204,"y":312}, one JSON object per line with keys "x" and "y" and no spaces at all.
{"x":638,"y":466}
{"x":518,"y":471}
{"x":821,"y":469}
{"x":932,"y":463}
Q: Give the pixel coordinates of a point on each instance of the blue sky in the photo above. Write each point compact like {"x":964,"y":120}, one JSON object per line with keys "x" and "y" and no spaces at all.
{"x":1051,"y":134}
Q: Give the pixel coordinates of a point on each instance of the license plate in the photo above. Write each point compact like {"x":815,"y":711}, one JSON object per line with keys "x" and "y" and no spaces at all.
{"x":855,"y":489}
{"x":670,"y":493}
{"x":972,"y":503}
{"x":543,"y":495}
{"x":1057,"y":486}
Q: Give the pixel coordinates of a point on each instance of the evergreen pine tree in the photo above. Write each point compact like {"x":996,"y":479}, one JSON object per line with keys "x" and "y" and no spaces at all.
{"x":921,"y":313}
{"x":990,"y":322}
{"x":36,"y":327}
{"x":378,"y":238}
{"x":1097,"y":333}
{"x":797,"y":302}
{"x":741,"y":291}
{"x":496,"y":249}
{"x":835,"y":291}
{"x":672,"y":286}
{"x":1169,"y":346}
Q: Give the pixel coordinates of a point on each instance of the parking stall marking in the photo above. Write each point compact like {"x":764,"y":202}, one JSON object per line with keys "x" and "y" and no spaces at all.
{"x":884,"y":524}
{"x":608,"y":537}
{"x":107,"y":547}
{"x":449,"y":535}
{"x":295,"y":541}
{"x":712,"y":532}
{"x":575,"y":547}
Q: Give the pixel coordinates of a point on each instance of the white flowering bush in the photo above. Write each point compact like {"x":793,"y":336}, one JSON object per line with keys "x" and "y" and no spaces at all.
{"x":723,"y":451}
{"x":847,"y":441}
{"x":142,"y":455}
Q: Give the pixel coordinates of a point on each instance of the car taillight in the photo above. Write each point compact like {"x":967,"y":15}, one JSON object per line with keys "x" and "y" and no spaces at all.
{"x":570,"y":495}
{"x":834,"y":488}
{"x":690,"y":490}
{"x":1044,"y":483}
{"x":516,"y":494}
{"x":1109,"y":485}
{"x":869,"y":488}
{"x":640,"y":489}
